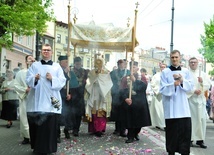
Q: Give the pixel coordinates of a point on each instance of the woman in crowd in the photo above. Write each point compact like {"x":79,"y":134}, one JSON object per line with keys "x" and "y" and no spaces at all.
{"x":10,"y":100}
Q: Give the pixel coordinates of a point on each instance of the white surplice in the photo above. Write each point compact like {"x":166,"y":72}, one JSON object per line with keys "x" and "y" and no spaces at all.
{"x":21,"y":87}
{"x":39,"y":98}
{"x":157,"y":113}
{"x":174,"y":98}
{"x":198,"y":106}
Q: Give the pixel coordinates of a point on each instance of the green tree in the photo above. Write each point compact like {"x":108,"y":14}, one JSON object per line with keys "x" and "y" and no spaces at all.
{"x":207,"y":41}
{"x":23,"y":17}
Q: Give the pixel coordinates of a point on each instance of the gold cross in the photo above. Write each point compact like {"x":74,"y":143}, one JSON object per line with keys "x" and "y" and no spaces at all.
{"x":137,"y":5}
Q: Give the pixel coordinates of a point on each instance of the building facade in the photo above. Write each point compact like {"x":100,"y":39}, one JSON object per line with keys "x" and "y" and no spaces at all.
{"x":14,"y":58}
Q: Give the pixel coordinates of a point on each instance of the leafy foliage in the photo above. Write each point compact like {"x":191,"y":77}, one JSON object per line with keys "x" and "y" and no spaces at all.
{"x":207,"y":41}
{"x":23,"y":17}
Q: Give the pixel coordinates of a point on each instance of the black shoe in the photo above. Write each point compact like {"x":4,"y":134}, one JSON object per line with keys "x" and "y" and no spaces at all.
{"x":129,"y":141}
{"x":98,"y":134}
{"x":137,"y":137}
{"x":58,"y":140}
{"x":123,"y":135}
{"x":67,"y":135}
{"x":201,"y":144}
{"x":26,"y":141}
{"x":75,"y":133}
{"x":9,"y":124}
{"x":157,"y":127}
{"x":191,"y":144}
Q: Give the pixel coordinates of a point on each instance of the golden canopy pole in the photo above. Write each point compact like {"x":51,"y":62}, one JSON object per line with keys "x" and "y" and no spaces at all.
{"x":75,"y":19}
{"x":128,"y":24}
{"x":68,"y":46}
{"x":133,"y":47}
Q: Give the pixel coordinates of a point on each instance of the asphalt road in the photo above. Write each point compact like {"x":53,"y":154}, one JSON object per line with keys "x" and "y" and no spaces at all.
{"x":152,"y":142}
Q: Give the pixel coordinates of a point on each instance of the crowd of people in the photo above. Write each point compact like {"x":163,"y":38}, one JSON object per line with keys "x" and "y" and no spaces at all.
{"x":52,"y":96}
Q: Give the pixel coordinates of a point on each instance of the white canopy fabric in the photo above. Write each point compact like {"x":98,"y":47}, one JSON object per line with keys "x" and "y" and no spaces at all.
{"x":101,"y":37}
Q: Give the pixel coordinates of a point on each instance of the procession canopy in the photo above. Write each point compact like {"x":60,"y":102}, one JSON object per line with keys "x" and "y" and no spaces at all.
{"x":102,"y":36}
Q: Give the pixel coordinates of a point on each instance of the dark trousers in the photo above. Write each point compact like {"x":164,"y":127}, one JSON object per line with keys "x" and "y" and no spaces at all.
{"x":43,"y":131}
{"x":133,"y":132}
{"x":178,"y":135}
{"x":77,"y":123}
{"x":120,"y":127}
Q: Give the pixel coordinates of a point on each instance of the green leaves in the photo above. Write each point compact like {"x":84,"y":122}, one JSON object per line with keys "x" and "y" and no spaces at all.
{"x":23,"y":17}
{"x":207,"y":41}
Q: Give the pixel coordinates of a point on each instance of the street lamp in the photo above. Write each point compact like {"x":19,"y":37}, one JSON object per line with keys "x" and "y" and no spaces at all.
{"x":172,"y":26}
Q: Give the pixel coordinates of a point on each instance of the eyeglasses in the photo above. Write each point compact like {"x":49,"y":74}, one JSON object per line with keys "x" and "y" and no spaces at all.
{"x":193,"y":62}
{"x":48,"y":50}
{"x":31,"y":61}
{"x":174,"y":57}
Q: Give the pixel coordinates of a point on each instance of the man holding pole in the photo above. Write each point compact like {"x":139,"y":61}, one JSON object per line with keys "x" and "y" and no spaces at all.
{"x":66,"y":117}
{"x":78,"y":106}
{"x":135,"y":110}
{"x":197,"y":102}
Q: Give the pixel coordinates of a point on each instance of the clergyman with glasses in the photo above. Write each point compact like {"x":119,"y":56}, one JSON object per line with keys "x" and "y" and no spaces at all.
{"x":46,"y":79}
{"x":197,"y":102}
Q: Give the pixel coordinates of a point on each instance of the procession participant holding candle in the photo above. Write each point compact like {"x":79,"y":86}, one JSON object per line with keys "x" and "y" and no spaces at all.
{"x":197,"y":102}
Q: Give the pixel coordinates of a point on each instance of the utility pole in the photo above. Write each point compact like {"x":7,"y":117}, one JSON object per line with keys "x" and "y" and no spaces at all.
{"x":69,"y":31}
{"x":172,"y":27}
{"x":37,"y":46}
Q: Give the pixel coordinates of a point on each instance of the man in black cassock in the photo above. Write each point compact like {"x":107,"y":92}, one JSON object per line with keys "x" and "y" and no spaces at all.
{"x":116,"y":77}
{"x":65,"y":118}
{"x":77,"y":92}
{"x":135,"y":111}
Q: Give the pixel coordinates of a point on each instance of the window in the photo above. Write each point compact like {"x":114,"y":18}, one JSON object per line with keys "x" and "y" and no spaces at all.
{"x":47,"y":41}
{"x":8,"y":64}
{"x":88,"y":62}
{"x":66,"y":40}
{"x":19,"y":39}
{"x":58,"y":38}
{"x":28,"y":41}
{"x":107,"y":57}
{"x":19,"y":65}
{"x":58,"y":53}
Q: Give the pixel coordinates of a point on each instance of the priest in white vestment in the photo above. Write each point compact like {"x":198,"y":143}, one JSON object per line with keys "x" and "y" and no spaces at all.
{"x":197,"y":102}
{"x":156,"y":108}
{"x":22,"y":90}
{"x":98,"y":98}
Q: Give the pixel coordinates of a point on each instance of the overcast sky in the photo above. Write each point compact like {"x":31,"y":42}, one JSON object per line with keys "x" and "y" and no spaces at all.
{"x":153,"y":19}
